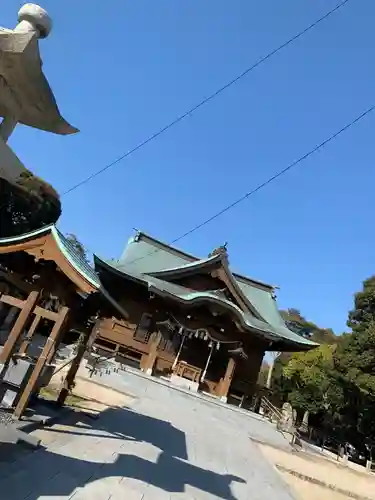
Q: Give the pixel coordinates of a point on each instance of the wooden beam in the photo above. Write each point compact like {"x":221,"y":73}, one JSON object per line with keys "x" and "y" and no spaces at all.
{"x":12,"y":301}
{"x":86,"y":342}
{"x":152,"y":355}
{"x":34,"y":325}
{"x":39,"y":311}
{"x":52,"y":343}
{"x":17,"y":281}
{"x":44,"y":313}
{"x":18,"y":329}
{"x":225,"y":382}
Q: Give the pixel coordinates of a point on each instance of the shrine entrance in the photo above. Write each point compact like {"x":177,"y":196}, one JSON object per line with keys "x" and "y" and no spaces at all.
{"x":201,"y":362}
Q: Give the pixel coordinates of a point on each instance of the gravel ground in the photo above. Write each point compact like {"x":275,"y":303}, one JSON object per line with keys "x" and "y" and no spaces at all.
{"x":6,"y":418}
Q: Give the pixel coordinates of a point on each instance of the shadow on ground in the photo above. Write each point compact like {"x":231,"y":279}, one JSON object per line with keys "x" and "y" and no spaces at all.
{"x":52,"y":474}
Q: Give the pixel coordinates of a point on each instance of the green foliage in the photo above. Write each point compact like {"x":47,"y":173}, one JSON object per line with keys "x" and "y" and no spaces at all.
{"x":355,"y":358}
{"x":312,"y":381}
{"x":300,"y":325}
{"x":336,"y":381}
{"x":29,"y":204}
{"x":363,"y":313}
{"x":78,"y":246}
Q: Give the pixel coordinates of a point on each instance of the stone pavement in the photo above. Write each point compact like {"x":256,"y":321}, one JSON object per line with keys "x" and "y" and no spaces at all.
{"x":171,"y":447}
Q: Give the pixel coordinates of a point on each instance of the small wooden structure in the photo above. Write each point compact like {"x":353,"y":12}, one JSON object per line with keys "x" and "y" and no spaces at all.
{"x":45,"y":286}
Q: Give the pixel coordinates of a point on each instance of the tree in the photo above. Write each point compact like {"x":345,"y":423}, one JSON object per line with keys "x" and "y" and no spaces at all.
{"x":77,"y":245}
{"x":336,"y":381}
{"x":289,"y":388}
{"x":313,"y":381}
{"x":355,"y":362}
{"x":27,"y":204}
{"x":364,"y":306}
{"x":297,"y":323}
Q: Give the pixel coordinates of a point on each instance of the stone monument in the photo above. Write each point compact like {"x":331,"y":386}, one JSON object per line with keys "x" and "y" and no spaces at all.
{"x":286,"y":422}
{"x":25,"y":95}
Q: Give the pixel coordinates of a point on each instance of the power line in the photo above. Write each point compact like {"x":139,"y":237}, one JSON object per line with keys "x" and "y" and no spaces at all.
{"x":207,"y":99}
{"x":267,"y":182}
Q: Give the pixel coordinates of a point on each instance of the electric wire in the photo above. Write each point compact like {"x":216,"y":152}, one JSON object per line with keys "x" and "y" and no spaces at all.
{"x":266,"y":182}
{"x":206,"y":100}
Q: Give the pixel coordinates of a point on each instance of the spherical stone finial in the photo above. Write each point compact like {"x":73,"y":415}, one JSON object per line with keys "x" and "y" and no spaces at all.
{"x":36,"y":16}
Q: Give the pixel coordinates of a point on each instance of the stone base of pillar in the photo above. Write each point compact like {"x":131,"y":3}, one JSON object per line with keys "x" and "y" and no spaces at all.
{"x":224,"y":399}
{"x":148,"y":371}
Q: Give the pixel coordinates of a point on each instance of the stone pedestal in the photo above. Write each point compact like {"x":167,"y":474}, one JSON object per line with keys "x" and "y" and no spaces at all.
{"x":184,"y":383}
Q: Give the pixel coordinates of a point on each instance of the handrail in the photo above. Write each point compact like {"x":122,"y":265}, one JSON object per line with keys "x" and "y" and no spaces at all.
{"x":271,"y":408}
{"x":275,"y":412}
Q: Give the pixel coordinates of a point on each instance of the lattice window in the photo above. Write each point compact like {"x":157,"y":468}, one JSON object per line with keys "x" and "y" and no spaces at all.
{"x":144,"y":329}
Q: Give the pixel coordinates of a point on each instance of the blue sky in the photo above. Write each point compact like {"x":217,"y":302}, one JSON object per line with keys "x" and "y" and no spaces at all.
{"x":121,"y":70}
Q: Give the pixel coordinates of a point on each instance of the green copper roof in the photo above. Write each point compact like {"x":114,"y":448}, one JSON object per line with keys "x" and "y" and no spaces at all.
{"x":149,"y":261}
{"x":274,"y":332}
{"x":67,"y":249}
{"x":70,"y":253}
{"x":75,"y":258}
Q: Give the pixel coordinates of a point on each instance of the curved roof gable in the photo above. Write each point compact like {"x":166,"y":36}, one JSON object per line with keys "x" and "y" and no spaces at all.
{"x":152,"y":259}
{"x":279,"y":335}
{"x":70,"y":262}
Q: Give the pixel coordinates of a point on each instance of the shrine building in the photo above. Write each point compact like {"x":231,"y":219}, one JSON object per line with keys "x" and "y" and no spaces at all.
{"x":169,"y":314}
{"x":191,"y":321}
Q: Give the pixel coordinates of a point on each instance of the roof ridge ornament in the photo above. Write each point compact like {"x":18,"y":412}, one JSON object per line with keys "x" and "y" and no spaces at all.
{"x":137,"y":235}
{"x":221,"y":250}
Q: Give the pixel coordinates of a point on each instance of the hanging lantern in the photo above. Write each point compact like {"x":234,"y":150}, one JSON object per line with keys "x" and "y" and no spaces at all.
{"x":218,"y":346}
{"x":206,"y":336}
{"x":210,"y":344}
{"x":196,"y":334}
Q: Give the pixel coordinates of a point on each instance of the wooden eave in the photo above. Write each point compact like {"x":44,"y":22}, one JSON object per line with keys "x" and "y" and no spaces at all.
{"x":45,"y":247}
{"x":217,"y":267}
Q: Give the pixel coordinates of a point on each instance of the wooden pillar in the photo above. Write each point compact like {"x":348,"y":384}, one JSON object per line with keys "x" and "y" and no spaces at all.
{"x":207,"y":363}
{"x":52,"y":340}
{"x":227,"y":380}
{"x":151,"y":358}
{"x":34,"y":325}
{"x":85,"y":342}
{"x":18,"y":328}
{"x":179,"y":352}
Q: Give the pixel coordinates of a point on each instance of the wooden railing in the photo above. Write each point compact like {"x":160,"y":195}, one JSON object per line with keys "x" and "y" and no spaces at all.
{"x":270,"y":410}
{"x":189,"y":372}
